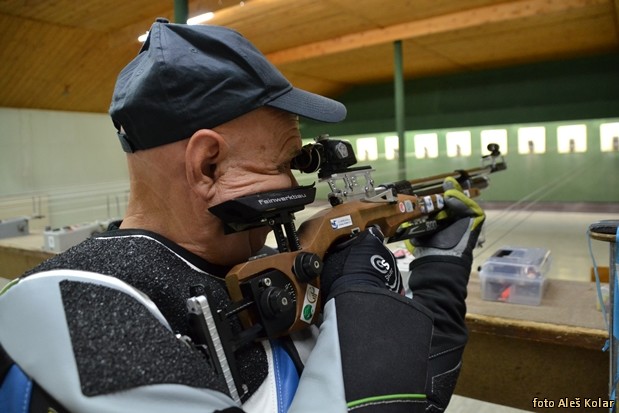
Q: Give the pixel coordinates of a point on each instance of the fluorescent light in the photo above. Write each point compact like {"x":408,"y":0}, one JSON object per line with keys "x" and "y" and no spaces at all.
{"x":201,"y":18}
{"x":142,"y":37}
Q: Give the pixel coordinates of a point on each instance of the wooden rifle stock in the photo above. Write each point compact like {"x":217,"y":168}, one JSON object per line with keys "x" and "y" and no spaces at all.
{"x":398,"y":203}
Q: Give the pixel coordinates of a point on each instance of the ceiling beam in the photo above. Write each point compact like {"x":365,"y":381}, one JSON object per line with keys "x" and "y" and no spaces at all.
{"x":498,"y":13}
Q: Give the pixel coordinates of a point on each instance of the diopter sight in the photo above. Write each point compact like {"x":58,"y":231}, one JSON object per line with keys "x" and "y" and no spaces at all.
{"x":332,"y":159}
{"x":326,"y":156}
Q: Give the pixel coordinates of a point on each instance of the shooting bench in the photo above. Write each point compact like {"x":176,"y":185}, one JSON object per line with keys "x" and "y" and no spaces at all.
{"x":519,"y":352}
{"x":18,"y":254}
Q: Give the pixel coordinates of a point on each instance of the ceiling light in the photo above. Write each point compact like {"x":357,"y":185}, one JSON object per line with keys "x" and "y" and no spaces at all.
{"x":201,"y":18}
{"x":142,"y":37}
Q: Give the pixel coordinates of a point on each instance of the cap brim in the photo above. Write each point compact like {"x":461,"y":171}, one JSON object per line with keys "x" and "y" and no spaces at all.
{"x":310,"y":105}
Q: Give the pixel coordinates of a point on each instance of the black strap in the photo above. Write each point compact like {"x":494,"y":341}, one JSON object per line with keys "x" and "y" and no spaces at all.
{"x":288,"y":345}
{"x":41,"y":402}
{"x":5,"y":363}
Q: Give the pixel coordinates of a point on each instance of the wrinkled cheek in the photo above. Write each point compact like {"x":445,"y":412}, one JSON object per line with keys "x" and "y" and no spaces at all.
{"x":258,"y":238}
{"x":235,"y":248}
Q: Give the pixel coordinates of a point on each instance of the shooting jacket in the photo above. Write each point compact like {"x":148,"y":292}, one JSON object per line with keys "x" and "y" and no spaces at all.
{"x":99,"y":328}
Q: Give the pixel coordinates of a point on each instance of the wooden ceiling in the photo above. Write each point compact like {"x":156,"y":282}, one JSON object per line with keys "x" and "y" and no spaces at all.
{"x":66,"y":54}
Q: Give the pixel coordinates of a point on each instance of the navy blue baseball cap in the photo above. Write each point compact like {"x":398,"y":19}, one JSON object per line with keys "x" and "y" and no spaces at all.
{"x":187,"y":78}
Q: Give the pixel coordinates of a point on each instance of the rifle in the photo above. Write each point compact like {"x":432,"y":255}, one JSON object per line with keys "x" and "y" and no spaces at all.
{"x":275,"y":295}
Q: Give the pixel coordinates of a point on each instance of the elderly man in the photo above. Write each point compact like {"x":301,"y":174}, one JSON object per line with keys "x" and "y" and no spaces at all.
{"x":205,"y":118}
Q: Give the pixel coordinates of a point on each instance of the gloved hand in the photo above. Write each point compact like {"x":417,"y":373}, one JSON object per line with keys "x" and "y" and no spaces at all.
{"x":463,"y":218}
{"x":362,"y":260}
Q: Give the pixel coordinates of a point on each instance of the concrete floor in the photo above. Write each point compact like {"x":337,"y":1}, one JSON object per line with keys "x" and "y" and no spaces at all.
{"x":461,"y":404}
{"x":563,"y":233}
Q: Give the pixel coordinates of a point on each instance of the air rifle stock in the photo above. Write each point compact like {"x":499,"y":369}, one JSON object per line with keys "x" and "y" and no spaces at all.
{"x":281,"y":292}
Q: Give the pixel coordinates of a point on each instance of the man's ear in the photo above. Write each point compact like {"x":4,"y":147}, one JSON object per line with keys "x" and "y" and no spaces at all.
{"x":205,"y":151}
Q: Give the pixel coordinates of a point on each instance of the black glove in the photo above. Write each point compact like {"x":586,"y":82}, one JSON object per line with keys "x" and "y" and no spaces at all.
{"x":363,"y":259}
{"x":438,"y":280}
{"x":463,"y":219}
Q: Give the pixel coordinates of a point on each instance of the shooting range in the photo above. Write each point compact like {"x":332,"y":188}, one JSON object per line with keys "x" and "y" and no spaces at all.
{"x":432,"y":88}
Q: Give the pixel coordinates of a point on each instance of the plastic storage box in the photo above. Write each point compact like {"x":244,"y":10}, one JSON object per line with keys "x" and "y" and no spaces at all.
{"x":515,"y":275}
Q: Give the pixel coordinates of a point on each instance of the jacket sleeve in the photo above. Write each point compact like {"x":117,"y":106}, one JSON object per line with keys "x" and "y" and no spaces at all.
{"x":371,"y":355}
{"x":93,"y":343}
{"x":439,"y":283}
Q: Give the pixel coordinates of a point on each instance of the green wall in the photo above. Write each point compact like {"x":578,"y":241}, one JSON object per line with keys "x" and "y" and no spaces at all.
{"x":549,"y":94}
{"x":592,"y":176}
